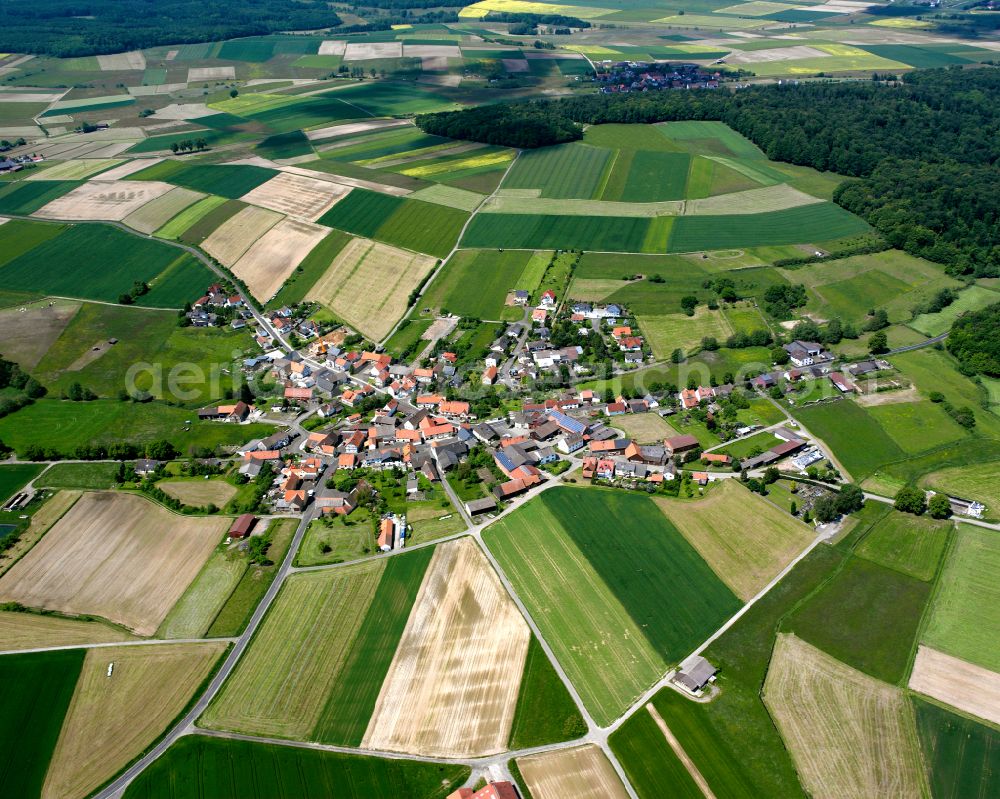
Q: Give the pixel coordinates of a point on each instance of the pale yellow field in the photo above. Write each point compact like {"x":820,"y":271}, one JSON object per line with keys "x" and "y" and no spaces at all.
{"x":295,"y":195}
{"x":156,"y":213}
{"x":751,"y":201}
{"x":232,"y":238}
{"x":332,"y":47}
{"x":80,"y":169}
{"x":211,"y":73}
{"x":452,"y":688}
{"x":958,"y":683}
{"x":199,"y":492}
{"x":849,"y":734}
{"x":481,"y":9}
{"x":196,"y":610}
{"x":280,"y":686}
{"x":273,"y":257}
{"x":128,"y":168}
{"x":111,"y":720}
{"x":109,"y":201}
{"x":583,"y":772}
{"x":114,"y":555}
{"x":645,"y":428}
{"x":28,"y":333}
{"x":745,"y":539}
{"x":33,"y":631}
{"x":369,"y":283}
{"x":365,"y":51}
{"x":122,"y":61}
{"x":43,"y":519}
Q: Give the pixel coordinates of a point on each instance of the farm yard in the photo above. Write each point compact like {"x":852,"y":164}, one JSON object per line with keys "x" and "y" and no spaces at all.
{"x":84,"y":566}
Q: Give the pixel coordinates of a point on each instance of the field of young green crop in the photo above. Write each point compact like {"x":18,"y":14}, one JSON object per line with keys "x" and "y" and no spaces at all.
{"x":476,"y":282}
{"x":233,"y":180}
{"x":917,"y":426}
{"x":650,"y":763}
{"x":285,"y":145}
{"x":310,"y":270}
{"x":565,"y":171}
{"x":962,"y":755}
{"x":546,"y":713}
{"x":867,"y":617}
{"x":551,"y":232}
{"x":199,"y":766}
{"x":27,"y":196}
{"x":35,"y":691}
{"x":79,"y":475}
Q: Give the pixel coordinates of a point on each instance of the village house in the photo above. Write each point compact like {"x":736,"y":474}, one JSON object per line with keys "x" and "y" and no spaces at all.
{"x":806,"y":353}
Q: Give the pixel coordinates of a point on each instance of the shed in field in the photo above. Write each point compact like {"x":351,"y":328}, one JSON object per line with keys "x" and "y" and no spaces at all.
{"x":243,"y":526}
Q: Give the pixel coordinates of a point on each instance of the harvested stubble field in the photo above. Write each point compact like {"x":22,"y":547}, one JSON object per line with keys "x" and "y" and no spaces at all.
{"x":109,"y":201}
{"x":281,"y":685}
{"x":966,"y":686}
{"x":40,"y":522}
{"x":849,"y":734}
{"x":34,"y":631}
{"x":583,"y":772}
{"x":156,"y":213}
{"x":298,"y":196}
{"x":199,"y":492}
{"x":368,"y":284}
{"x":113,"y":719}
{"x":114,"y":555}
{"x":965,"y":613}
{"x":269,"y":261}
{"x":745,"y":539}
{"x":228,"y":242}
{"x":452,"y":688}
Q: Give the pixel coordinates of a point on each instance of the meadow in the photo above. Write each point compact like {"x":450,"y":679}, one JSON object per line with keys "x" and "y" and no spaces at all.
{"x":980,"y":481}
{"x":966,"y":606}
{"x":565,"y":171}
{"x":866,"y":616}
{"x":917,"y":426}
{"x":650,"y":762}
{"x":34,"y":630}
{"x":971,"y":299}
{"x":962,"y":755}
{"x":672,"y":331}
{"x":199,"y":605}
{"x":546,"y":713}
{"x":476,"y":283}
{"x":910,"y":544}
{"x":198,"y":765}
{"x":14,"y":477}
{"x":601,"y":615}
{"x":35,"y":692}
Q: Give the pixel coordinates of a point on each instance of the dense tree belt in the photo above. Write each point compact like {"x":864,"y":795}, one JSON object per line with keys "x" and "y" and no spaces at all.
{"x":927,"y":151}
{"x":62,"y":27}
{"x":975,"y":341}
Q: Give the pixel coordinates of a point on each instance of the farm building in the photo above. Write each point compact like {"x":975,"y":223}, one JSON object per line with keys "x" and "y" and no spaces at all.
{"x":678,"y":444}
{"x":495,"y":790}
{"x":480,"y":505}
{"x":243,"y":526}
{"x":392,"y":532}
{"x":694,"y":674}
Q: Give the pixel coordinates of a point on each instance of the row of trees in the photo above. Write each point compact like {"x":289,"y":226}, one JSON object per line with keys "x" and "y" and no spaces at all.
{"x":189,"y":145}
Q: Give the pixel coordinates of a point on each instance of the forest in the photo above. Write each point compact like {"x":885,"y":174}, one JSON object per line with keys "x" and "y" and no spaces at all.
{"x":975,"y":340}
{"x":67,"y":28}
{"x":927,"y":150}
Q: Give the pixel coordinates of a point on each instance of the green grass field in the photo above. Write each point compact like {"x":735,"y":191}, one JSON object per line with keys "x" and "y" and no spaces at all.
{"x":186,"y":218}
{"x":14,"y":477}
{"x":415,"y":225}
{"x":407,"y":337}
{"x":350,"y":703}
{"x":387,"y":98}
{"x":551,"y":232}
{"x":27,"y":196}
{"x":19,"y":236}
{"x":666,"y":333}
{"x":226,"y":181}
{"x":966,"y":607}
{"x":198,"y":766}
{"x":545,"y":710}
{"x":200,"y":604}
{"x":35,"y":691}
{"x":917,"y":426}
{"x":564,"y":171}
{"x":476,"y":282}
{"x":867,"y":617}
{"x":971,"y":299}
{"x":912,"y":545}
{"x":597,"y":598}
{"x":709,"y":138}
{"x":979,"y":481}
{"x":285,"y":145}
{"x":650,"y":763}
{"x":79,"y":475}
{"x":857,"y":440}
{"x":962,"y":755}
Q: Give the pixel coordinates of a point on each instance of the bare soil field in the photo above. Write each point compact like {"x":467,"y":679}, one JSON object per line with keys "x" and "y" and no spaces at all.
{"x":298,"y":196}
{"x":211,"y":73}
{"x":775,"y":54}
{"x":113,"y":718}
{"x":43,"y":519}
{"x":33,"y":631}
{"x":970,"y":688}
{"x":745,"y":539}
{"x":431,"y":51}
{"x":583,"y":772}
{"x":332,"y":47}
{"x":199,"y":492}
{"x":452,"y":688}
{"x":275,"y":255}
{"x":109,"y":201}
{"x":232,"y":238}
{"x":114,"y":555}
{"x":849,"y":734}
{"x":645,"y":428}
{"x":156,"y":213}
{"x":368,"y":285}
{"x":29,"y":330}
{"x":899,"y":397}
{"x":120,"y":62}
{"x":365,"y":51}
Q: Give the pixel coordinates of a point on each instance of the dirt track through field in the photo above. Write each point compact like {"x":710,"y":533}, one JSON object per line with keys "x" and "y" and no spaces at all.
{"x":958,"y":683}
{"x":850,"y":735}
{"x":582,"y":773}
{"x":686,"y":761}
{"x":452,"y":688}
{"x":114,"y":555}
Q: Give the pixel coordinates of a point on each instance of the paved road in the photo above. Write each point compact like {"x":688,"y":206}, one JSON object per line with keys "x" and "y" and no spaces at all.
{"x":920,"y":344}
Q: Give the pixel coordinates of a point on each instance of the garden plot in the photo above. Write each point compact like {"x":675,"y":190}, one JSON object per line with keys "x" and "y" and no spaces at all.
{"x":368,"y":284}
{"x":583,"y":772}
{"x":849,"y":734}
{"x":298,"y":196}
{"x":121,"y":62}
{"x":114,"y":555}
{"x":115,"y":715}
{"x":156,"y":213}
{"x":970,"y":688}
{"x":109,"y":201}
{"x":196,"y":74}
{"x":76,"y":170}
{"x":274,"y":256}
{"x":234,"y":237}
{"x":332,"y":47}
{"x":367,"y":51}
{"x":452,"y":688}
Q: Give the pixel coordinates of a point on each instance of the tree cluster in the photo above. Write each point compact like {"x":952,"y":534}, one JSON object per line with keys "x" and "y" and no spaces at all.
{"x":975,"y":340}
